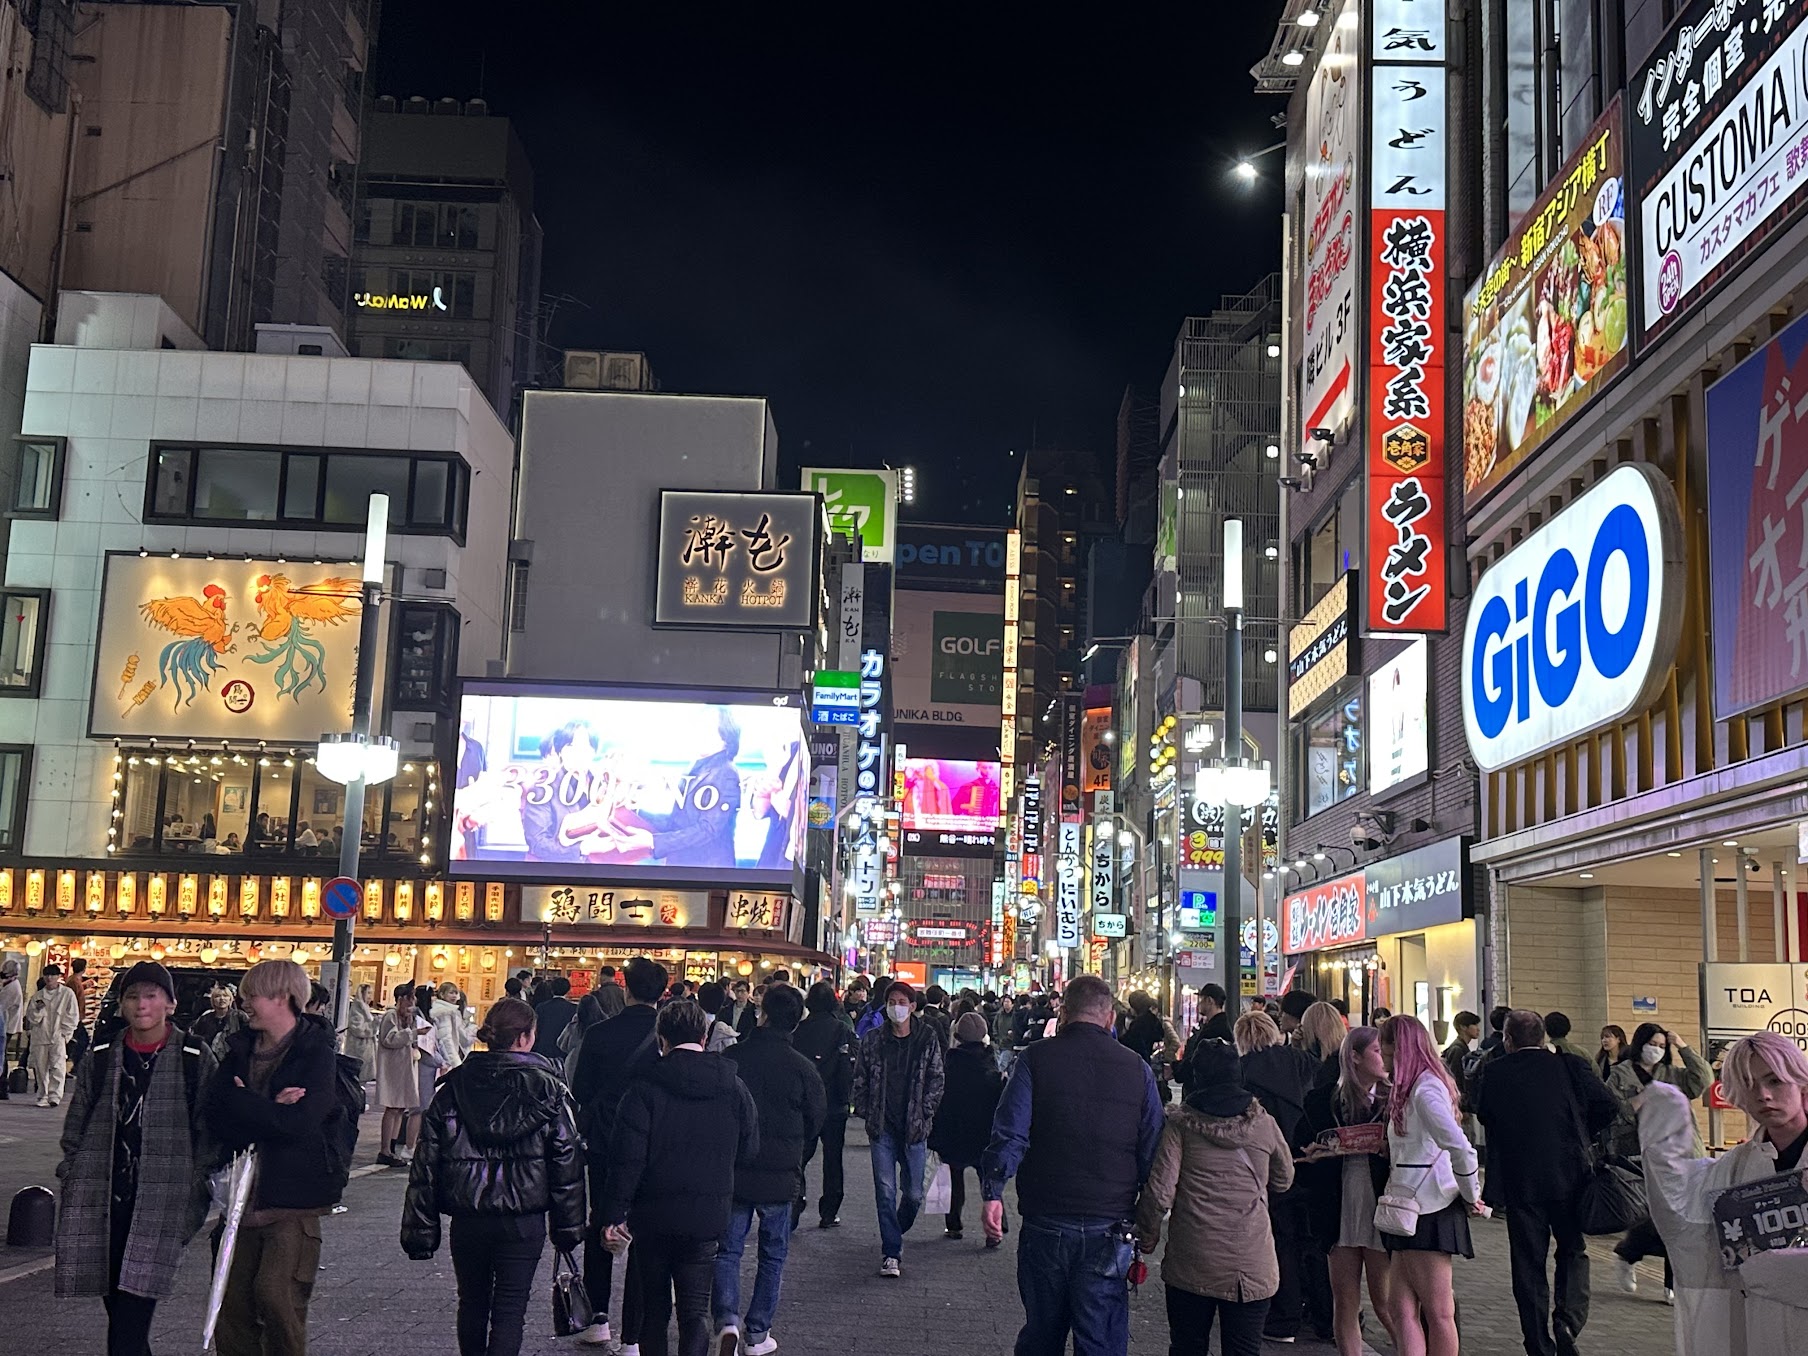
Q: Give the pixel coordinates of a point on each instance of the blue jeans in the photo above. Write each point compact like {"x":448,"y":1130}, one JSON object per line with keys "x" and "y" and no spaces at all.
{"x":898,"y":1183}
{"x":775,"y":1242}
{"x":1072,"y":1275}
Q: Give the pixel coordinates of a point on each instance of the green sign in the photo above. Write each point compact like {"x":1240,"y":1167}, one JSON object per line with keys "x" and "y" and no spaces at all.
{"x":863,"y":503}
{"x":967,"y":667}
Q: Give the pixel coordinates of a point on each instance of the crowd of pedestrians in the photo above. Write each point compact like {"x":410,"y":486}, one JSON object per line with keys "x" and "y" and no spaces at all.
{"x":1303,"y":1163}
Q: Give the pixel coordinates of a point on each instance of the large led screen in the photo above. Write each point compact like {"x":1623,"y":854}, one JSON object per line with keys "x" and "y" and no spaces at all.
{"x":950,"y":795}
{"x":630,"y":784}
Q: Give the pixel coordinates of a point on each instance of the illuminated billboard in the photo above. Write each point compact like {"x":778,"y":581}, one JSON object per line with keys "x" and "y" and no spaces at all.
{"x":950,"y":806}
{"x":653,"y":784}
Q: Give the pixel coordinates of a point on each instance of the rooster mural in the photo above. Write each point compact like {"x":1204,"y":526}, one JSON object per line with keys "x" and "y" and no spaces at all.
{"x":188,"y":663}
{"x":287,"y":612}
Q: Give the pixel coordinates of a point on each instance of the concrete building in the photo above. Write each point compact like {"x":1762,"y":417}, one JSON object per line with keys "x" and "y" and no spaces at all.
{"x":447,"y":259}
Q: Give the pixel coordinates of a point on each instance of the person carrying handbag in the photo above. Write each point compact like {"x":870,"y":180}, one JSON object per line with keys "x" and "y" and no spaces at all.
{"x":1432,"y":1188}
{"x":1542,"y":1111}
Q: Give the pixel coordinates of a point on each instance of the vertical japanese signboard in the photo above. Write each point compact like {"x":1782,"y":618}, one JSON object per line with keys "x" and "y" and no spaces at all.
{"x":1719,"y":113}
{"x":1071,"y":737}
{"x":1407,"y":539}
{"x":1333,"y":268}
{"x":872,"y":771}
{"x":1067,"y":887}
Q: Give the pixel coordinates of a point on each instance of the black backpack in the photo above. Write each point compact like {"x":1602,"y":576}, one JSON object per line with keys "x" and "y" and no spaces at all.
{"x":349,"y":1102}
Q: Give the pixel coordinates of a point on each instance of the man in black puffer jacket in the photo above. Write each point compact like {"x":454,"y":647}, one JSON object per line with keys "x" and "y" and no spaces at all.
{"x":682,"y":1127}
{"x":499,"y":1153}
{"x":789,"y":1095}
{"x":829,"y":1043}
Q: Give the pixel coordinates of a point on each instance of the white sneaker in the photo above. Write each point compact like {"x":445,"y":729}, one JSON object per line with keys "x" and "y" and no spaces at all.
{"x":764,"y":1347}
{"x":406,"y":1155}
{"x":728,"y":1340}
{"x":1669,"y":1295}
{"x":595,"y":1335}
{"x":890,"y":1267}
{"x":43,"y":1101}
{"x":630,"y":1349}
{"x":1626,"y":1275}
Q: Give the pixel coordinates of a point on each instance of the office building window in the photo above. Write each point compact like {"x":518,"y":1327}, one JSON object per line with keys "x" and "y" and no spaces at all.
{"x":22,"y":633}
{"x":37,"y":478}
{"x":419,"y":350}
{"x":1330,"y":758}
{"x":299,"y":487}
{"x":15,"y":784}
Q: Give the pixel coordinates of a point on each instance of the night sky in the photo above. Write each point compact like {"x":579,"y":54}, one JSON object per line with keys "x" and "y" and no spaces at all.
{"x":928,"y":238}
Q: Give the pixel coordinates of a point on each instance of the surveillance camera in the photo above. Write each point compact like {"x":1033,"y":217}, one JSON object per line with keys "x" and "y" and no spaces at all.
{"x":1323,"y":435}
{"x":1753,"y":865}
{"x":1292,"y":483}
{"x":1307,"y":459}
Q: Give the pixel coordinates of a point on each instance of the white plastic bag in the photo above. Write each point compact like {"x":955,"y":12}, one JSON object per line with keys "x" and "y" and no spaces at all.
{"x":242,"y":1177}
{"x":938,"y":1191}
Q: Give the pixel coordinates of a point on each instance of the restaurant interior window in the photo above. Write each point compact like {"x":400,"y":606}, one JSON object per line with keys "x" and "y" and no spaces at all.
{"x":1331,"y":753}
{"x":319,"y":812}
{"x":401,"y":832}
{"x":15,"y":781}
{"x":37,"y":477}
{"x":426,"y":657}
{"x":22,"y":634}
{"x":273,"y":805}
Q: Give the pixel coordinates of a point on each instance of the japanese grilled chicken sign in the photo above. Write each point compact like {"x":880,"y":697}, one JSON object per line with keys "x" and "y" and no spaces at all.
{"x":1407,"y":538}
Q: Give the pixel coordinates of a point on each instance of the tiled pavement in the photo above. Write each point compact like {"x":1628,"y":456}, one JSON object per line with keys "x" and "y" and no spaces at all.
{"x":955,"y":1298}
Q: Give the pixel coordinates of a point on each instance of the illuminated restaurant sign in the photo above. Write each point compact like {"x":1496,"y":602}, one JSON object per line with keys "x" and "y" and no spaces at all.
{"x":738,"y":561}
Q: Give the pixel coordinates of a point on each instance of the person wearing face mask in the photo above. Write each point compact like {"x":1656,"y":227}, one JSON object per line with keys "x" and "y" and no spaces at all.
{"x":898,"y":1080}
{"x":1650,"y":1057}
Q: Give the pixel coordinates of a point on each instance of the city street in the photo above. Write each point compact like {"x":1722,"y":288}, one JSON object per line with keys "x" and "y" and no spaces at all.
{"x":953,"y":1297}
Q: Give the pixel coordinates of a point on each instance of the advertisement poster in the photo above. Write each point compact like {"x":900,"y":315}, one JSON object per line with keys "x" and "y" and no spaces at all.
{"x":1544,"y":330}
{"x":1332,"y":264}
{"x":948,"y":659}
{"x":741,"y":561}
{"x":1399,"y":749}
{"x":1095,"y":743}
{"x":862,"y":503}
{"x":634,"y":784}
{"x":1069,"y":711}
{"x":952,"y":559}
{"x":1758,"y":521}
{"x":1716,"y":117}
{"x":224,"y":649}
{"x":1320,"y":648}
{"x":950,"y":795}
{"x":1407,"y":535}
{"x":1762,"y":1216}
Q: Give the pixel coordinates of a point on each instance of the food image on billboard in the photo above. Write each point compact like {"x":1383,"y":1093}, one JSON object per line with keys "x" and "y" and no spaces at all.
{"x":950,"y":795}
{"x":630,"y":784}
{"x":1545,"y":329}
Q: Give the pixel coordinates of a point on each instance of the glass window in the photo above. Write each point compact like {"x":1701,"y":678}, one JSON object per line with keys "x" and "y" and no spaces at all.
{"x":301,"y":487}
{"x":464,"y":295}
{"x":1331,"y":762}
{"x":402,"y":834}
{"x":319,"y":814}
{"x":426,"y":656}
{"x":238,"y":484}
{"x":272,"y":799}
{"x":37,"y":477}
{"x":169,"y":492}
{"x":22,"y":634}
{"x":351,"y":480}
{"x":15,"y":783}
{"x":138,"y":824}
{"x":428,"y":507}
{"x":461,"y":225}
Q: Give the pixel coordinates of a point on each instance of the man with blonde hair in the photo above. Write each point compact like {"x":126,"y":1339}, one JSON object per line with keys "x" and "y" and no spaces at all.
{"x":1758,"y":1306}
{"x":276,"y":1091}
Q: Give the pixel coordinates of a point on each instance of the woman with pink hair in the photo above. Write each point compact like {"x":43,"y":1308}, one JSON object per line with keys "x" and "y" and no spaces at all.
{"x":1755,"y":1305}
{"x":1432,"y":1164}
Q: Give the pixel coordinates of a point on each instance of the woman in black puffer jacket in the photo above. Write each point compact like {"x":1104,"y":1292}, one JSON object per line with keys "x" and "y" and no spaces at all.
{"x":499,"y":1153}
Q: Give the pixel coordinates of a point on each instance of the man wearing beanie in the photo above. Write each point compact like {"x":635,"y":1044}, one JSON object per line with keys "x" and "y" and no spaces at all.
{"x":135,"y":1160}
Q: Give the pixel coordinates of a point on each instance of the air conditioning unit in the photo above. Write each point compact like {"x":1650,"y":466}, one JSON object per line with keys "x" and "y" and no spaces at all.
{"x":625,"y":372}
{"x":583,"y":370}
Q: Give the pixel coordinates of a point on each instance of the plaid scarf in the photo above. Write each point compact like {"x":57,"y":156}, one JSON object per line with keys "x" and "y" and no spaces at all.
{"x":174,"y":1157}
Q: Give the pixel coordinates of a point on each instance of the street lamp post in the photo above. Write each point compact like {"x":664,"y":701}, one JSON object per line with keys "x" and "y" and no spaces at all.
{"x":356,"y":760}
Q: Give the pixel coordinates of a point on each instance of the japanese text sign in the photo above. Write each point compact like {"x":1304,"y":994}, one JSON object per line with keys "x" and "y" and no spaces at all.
{"x":1757,"y":421}
{"x":863,"y":503}
{"x":1718,"y":145}
{"x":1545,"y":326}
{"x":1421,"y":888}
{"x":582,"y":906}
{"x":1333,"y":269}
{"x":1407,"y":536}
{"x":737,"y":561}
{"x":1067,"y":887}
{"x":1319,"y":648}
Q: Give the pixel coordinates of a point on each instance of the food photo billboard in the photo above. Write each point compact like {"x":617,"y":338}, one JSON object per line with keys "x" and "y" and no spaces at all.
{"x":1545,"y":328}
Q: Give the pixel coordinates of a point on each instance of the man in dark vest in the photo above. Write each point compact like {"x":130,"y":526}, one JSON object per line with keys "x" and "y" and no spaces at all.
{"x":1077,"y":1126}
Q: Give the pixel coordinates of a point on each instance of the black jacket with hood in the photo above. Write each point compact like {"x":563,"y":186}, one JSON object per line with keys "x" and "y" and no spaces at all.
{"x":683,"y":1125}
{"x":787,"y":1091}
{"x":829,"y":1043}
{"x":1280,"y":1077}
{"x":499,"y":1138}
{"x":301,"y":1160}
{"x":970,"y":1091}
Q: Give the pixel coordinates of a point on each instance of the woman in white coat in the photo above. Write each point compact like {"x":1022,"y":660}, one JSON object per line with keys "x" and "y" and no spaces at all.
{"x":1759,"y":1307}
{"x":1431,"y":1161}
{"x":453,"y":1030}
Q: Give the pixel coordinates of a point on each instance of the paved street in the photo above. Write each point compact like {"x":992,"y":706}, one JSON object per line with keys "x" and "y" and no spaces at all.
{"x":954,"y":1298}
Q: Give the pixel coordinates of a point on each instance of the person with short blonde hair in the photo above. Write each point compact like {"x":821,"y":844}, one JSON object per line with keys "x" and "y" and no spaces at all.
{"x":277,"y":979}
{"x":1256,"y":1031}
{"x":1754,"y":1307}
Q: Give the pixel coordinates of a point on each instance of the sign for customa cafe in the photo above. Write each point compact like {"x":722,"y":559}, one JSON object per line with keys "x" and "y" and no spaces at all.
{"x":1422,"y":888}
{"x":738,"y":561}
{"x":1319,"y":648}
{"x":1719,"y":111}
{"x":1408,"y":114}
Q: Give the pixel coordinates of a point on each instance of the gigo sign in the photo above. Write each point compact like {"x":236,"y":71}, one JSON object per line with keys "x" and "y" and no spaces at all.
{"x":1576,"y":626}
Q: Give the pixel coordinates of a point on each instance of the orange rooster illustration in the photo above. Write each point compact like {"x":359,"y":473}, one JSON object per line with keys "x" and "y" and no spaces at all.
{"x":288,"y":611}
{"x":188,"y":664}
